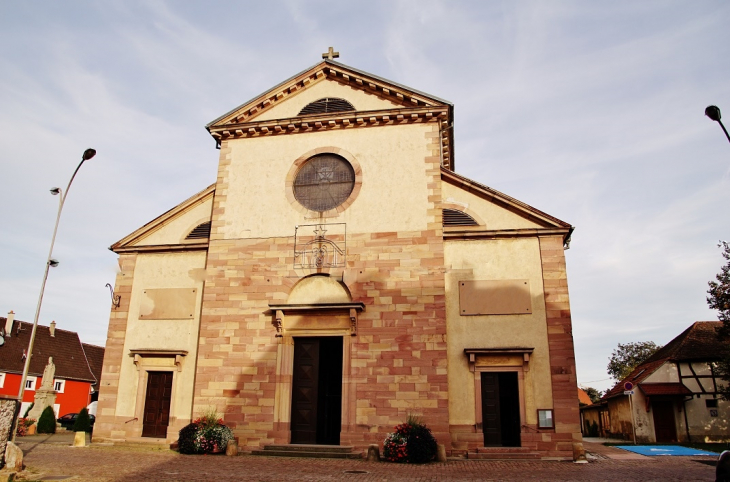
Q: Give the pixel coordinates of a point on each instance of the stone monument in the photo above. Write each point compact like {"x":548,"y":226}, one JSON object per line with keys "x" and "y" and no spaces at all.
{"x":45,"y":396}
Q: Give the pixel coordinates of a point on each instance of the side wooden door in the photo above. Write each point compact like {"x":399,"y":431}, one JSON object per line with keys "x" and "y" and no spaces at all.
{"x":157,"y":404}
{"x":305,"y":390}
{"x":491,"y":421}
{"x":665,"y":428}
{"x":500,"y":409}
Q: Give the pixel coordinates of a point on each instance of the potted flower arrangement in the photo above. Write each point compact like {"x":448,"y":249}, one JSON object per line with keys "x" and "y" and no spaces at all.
{"x":26,"y":426}
{"x":206,"y":435}
{"x":411,"y":442}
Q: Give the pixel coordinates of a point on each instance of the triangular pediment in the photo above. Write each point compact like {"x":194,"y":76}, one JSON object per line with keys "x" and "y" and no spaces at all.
{"x":367,"y":92}
{"x":172,"y":230}
{"x":494,"y":211}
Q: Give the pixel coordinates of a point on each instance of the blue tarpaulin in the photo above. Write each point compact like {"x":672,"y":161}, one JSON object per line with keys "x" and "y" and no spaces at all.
{"x":664,"y":450}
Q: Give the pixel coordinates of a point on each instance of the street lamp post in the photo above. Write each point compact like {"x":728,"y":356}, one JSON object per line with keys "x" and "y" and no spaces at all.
{"x":88,"y":154}
{"x":713,"y":112}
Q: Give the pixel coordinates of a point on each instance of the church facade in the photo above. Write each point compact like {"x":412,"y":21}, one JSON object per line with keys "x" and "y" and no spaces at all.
{"x":339,"y":276}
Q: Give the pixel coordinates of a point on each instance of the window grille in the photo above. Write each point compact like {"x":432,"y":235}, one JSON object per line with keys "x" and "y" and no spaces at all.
{"x":201,"y":231}
{"x":327,"y":105}
{"x":324,"y":182}
{"x":454,"y":217}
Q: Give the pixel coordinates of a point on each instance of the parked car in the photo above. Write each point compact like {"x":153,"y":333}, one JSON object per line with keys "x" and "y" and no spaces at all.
{"x":68,"y":420}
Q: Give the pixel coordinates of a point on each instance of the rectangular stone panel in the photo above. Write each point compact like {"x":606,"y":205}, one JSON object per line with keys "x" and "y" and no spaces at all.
{"x":494,"y":297}
{"x":168,"y":304}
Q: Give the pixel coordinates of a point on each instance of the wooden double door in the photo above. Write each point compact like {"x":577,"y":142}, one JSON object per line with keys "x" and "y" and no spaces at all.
{"x":156,"y":416}
{"x":500,"y":409}
{"x":316,"y":409}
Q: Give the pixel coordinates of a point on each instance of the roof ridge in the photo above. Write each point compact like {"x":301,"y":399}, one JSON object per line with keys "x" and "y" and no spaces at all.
{"x":535,"y":211}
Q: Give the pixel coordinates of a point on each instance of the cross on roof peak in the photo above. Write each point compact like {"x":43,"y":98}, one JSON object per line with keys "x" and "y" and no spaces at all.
{"x":330,"y":54}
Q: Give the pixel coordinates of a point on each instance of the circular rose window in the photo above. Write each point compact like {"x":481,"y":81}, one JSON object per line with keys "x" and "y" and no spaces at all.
{"x":324,"y":182}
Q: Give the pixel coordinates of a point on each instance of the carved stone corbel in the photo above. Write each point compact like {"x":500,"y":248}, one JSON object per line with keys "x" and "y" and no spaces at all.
{"x":278,"y":322}
{"x":353,"y":322}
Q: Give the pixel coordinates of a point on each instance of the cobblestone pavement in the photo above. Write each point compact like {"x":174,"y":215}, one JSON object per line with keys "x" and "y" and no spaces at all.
{"x":127,"y":464}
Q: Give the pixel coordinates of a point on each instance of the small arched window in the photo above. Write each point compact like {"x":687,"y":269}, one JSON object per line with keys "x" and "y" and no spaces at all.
{"x":454,"y":217}
{"x":201,"y":231}
{"x":327,"y":105}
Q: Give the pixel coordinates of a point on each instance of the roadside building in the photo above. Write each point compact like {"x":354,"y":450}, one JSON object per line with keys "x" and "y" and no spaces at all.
{"x":74,"y":377}
{"x":675,"y":396}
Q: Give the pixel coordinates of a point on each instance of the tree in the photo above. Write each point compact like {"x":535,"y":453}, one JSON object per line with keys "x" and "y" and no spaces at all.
{"x":628,"y":356}
{"x":719,"y":299}
{"x":595,"y":395}
{"x":47,"y":421}
{"x":83,"y":422}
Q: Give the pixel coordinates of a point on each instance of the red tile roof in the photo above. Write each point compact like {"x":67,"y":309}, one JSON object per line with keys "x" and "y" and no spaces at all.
{"x":95,"y":357}
{"x":583,"y":397}
{"x":696,"y":343}
{"x":652,"y":389}
{"x":65,"y":348}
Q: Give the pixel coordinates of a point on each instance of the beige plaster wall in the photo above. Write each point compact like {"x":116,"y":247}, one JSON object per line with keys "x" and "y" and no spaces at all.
{"x":703,"y":427}
{"x":178,"y":270}
{"x":496,"y":217}
{"x":664,"y":374}
{"x":362,"y":100}
{"x":394,"y":181}
{"x":620,"y":414}
{"x":174,"y":230}
{"x":494,"y":260}
{"x":644,"y":420}
{"x":700,"y":369}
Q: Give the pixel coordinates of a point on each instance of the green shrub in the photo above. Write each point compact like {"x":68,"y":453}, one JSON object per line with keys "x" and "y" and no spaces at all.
{"x":47,"y":421}
{"x":83,"y":422}
{"x":186,"y":440}
{"x":421,"y":446}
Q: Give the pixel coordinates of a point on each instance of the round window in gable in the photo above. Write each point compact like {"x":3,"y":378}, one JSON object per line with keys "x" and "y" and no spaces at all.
{"x":324,"y":182}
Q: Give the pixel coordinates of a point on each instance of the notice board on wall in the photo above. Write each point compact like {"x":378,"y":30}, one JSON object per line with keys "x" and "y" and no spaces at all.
{"x":494,"y":297}
{"x":168,"y":304}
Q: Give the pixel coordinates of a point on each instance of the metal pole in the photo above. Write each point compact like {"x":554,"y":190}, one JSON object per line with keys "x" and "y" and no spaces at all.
{"x":633,"y":423}
{"x":724,"y":130}
{"x":88,"y":154}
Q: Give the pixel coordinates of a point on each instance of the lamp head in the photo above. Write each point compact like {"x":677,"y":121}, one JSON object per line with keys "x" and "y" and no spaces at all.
{"x":53,"y":262}
{"x":55,"y":191}
{"x":713,"y":112}
{"x":88,"y":154}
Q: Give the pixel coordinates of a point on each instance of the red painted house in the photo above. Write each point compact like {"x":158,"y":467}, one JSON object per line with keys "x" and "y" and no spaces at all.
{"x":78,"y":365}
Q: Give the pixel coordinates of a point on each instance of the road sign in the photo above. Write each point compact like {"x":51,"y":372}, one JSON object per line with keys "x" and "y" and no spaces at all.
{"x":628,"y":392}
{"x":628,"y":386}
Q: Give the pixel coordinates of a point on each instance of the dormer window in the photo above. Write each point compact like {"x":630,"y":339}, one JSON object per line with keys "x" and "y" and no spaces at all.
{"x":327,"y":105}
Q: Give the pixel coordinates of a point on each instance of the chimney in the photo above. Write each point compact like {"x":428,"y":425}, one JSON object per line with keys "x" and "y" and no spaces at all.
{"x":9,"y":322}
{"x":52,"y":328}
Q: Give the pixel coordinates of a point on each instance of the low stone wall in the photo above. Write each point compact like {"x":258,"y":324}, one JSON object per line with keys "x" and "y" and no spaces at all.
{"x":8,"y":406}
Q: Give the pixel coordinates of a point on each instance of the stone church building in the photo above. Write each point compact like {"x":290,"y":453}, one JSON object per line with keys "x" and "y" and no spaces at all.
{"x":338,"y":276}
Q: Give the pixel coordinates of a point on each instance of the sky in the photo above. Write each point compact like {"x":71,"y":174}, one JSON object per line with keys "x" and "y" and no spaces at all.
{"x":590,"y":111}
